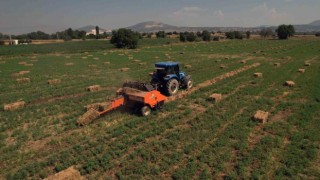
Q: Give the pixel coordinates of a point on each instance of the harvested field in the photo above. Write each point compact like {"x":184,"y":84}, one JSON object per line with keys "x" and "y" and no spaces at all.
{"x":191,"y":137}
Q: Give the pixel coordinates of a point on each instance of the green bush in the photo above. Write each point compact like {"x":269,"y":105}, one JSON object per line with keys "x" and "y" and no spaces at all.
{"x":125,"y":38}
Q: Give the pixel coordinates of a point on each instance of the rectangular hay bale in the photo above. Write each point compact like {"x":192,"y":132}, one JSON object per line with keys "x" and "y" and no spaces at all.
{"x":54,"y":81}
{"x":215,"y":97}
{"x":14,"y":106}
{"x":257,"y":74}
{"x":261,"y":116}
{"x":94,"y":88}
{"x":290,"y":83}
{"x":23,"y":80}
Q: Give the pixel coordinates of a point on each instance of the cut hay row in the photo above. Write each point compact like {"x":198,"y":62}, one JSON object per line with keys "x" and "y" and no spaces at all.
{"x":212,"y":81}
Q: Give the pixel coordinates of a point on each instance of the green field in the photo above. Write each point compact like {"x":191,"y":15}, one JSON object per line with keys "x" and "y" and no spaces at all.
{"x":190,"y":138}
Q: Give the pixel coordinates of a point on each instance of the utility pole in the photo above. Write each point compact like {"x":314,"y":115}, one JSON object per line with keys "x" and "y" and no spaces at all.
{"x":10,"y":41}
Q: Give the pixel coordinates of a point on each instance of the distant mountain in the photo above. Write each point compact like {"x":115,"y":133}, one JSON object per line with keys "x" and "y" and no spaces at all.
{"x":153,"y":26}
{"x":315,"y":23}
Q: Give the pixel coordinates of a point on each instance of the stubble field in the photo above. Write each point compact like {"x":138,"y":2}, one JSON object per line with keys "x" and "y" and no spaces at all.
{"x":191,"y":137}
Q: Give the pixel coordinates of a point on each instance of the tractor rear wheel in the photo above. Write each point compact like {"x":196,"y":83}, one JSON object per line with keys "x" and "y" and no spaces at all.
{"x":145,"y":111}
{"x":172,"y":87}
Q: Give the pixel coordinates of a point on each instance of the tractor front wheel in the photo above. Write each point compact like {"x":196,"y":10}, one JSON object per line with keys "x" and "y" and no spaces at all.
{"x":189,"y":84}
{"x":145,"y":111}
{"x":172,"y":87}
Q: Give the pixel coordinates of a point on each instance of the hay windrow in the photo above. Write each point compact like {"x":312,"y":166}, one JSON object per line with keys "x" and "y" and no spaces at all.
{"x":289,"y":83}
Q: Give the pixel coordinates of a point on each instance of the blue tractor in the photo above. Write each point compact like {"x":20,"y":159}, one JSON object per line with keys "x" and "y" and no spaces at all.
{"x":167,"y":78}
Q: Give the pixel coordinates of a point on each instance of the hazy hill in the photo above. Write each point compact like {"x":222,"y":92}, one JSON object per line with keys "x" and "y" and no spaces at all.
{"x":153,"y":26}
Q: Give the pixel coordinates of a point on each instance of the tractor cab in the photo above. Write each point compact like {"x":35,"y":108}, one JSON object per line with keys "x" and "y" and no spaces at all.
{"x":168,"y":78}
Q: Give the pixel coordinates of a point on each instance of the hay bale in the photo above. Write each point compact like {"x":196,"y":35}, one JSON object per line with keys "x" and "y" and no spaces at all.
{"x":88,"y":117}
{"x":187,"y":66}
{"x":20,"y":73}
{"x":23,"y":80}
{"x":142,"y":64}
{"x":14,"y":106}
{"x":222,"y":66}
{"x":257,"y":74}
{"x":215,"y":97}
{"x":106,"y":62}
{"x":94,"y":88}
{"x":124,"y":69}
{"x":307,"y":64}
{"x":28,"y":64}
{"x":96,"y":58}
{"x":34,"y":60}
{"x":276,"y":64}
{"x":54,"y":81}
{"x":92,"y":65}
{"x":68,"y":57}
{"x":84,"y":57}
{"x":69,"y":64}
{"x":243,"y":62}
{"x":136,"y":61}
{"x":290,"y":83}
{"x":22,"y":62}
{"x":301,"y":70}
{"x":261,"y":116}
{"x":68,"y":174}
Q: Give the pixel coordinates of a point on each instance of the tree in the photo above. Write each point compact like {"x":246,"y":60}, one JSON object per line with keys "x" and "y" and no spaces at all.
{"x":69,"y":32}
{"x":191,"y":37}
{"x":285,"y":31}
{"x":124,"y":38}
{"x":230,"y":35}
{"x":206,"y":36}
{"x":97,"y":32}
{"x":266,"y":32}
{"x":1,"y":35}
{"x":317,"y":34}
{"x":161,"y":34}
{"x":248,"y":33}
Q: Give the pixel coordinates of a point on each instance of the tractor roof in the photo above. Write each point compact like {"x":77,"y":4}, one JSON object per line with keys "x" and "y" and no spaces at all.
{"x":166,"y":64}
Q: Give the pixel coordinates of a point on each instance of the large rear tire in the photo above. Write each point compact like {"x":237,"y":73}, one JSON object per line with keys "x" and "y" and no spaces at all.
{"x":172,"y":87}
{"x":145,"y":111}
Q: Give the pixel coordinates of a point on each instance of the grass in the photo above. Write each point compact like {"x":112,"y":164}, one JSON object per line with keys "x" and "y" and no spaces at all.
{"x":188,"y":138}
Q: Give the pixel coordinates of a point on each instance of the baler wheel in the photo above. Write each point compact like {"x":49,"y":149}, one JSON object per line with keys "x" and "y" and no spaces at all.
{"x":145,"y":111}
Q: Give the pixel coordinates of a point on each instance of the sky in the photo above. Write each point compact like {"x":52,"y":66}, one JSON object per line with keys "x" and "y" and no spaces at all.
{"x":23,"y":16}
